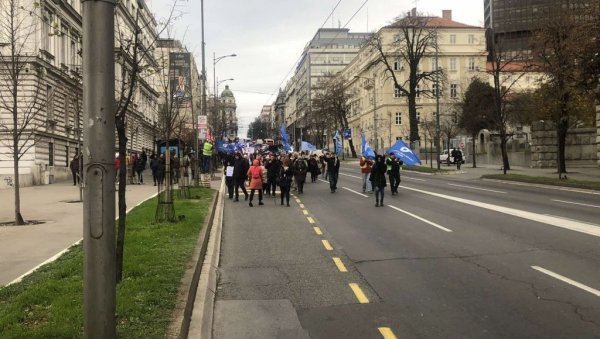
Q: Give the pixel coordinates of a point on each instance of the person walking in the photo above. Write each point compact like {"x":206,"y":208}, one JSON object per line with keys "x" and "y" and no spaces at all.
{"x":228,"y":161}
{"x":160,"y":170}
{"x":74,"y":166}
{"x":393,"y":170}
{"x":207,"y":151}
{"x":140,"y":165}
{"x":313,"y":167}
{"x":255,"y":174}
{"x":240,"y":170}
{"x":377,"y":178}
{"x":333,"y":171}
{"x":154,"y":167}
{"x":300,"y":170}
{"x":365,"y":170}
{"x":458,"y":158}
{"x":286,"y":176}
{"x":273,"y":167}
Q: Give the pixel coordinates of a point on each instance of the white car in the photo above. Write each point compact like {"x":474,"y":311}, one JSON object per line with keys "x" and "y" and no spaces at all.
{"x":444,"y":157}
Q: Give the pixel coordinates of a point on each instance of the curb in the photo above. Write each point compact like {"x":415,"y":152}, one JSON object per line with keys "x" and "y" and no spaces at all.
{"x":553,"y":187}
{"x":192,"y":276}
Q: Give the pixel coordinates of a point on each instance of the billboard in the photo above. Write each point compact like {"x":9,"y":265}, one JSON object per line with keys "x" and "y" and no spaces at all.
{"x":180,"y":78}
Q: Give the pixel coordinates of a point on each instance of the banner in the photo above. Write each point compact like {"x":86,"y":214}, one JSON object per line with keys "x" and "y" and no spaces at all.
{"x":307,"y":146}
{"x":347,"y":133}
{"x":339,"y":148}
{"x":285,"y":139}
{"x":404,"y":153}
{"x":179,"y":78}
{"x":366,"y":150}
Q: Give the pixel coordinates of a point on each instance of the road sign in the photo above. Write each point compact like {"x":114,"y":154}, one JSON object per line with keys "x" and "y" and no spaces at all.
{"x":461,"y":145}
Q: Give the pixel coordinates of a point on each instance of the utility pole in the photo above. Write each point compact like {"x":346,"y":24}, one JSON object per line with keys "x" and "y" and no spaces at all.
{"x":375,"y":114}
{"x":203,"y":92}
{"x":437,"y":101}
{"x":99,"y":277}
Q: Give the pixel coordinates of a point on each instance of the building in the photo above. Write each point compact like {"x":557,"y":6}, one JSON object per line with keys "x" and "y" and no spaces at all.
{"x":50,"y":86}
{"x":378,"y":108}
{"x":228,"y":110}
{"x":514,"y":22}
{"x":328,"y":52}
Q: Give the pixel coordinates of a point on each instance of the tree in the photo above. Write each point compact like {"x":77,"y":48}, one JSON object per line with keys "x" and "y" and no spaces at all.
{"x":566,"y":45}
{"x":20,"y":88}
{"x":414,"y":38}
{"x":258,"y":129}
{"x":331,"y":103}
{"x":477,"y":111}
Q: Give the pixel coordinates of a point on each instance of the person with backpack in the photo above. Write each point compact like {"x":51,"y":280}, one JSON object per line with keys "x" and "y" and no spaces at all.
{"x":300,"y":170}
{"x":255,"y":174}
{"x":286,"y":175}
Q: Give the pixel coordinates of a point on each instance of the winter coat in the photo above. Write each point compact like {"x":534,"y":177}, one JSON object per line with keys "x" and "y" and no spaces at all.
{"x":333,"y":165}
{"x":140,"y":165}
{"x":300,"y":169}
{"x":365,"y":165}
{"x":240,"y":169}
{"x":313,"y":165}
{"x":273,"y":167}
{"x":74,"y":165}
{"x":286,"y":175}
{"x":378,"y":175}
{"x":255,"y":174}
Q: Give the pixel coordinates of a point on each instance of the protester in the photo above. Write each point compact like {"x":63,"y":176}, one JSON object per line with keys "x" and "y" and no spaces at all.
{"x":365,"y":170}
{"x":240,"y":170}
{"x":286,"y":176}
{"x":154,"y":168}
{"x":393,"y":170}
{"x":255,"y":174}
{"x":140,"y":165}
{"x":74,"y":166}
{"x":313,"y":167}
{"x":457,"y":155}
{"x":300,"y":170}
{"x":207,"y":150}
{"x":377,"y":178}
{"x":160,"y":170}
{"x":333,"y":170}
{"x":273,"y":167}
{"x":228,"y":161}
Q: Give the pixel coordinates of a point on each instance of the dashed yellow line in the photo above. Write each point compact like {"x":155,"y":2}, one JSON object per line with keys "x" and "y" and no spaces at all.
{"x":310,"y":220}
{"x":305,"y":212}
{"x":301,"y":205}
{"x":387,"y":333}
{"x":318,"y":230}
{"x":340,"y":265}
{"x":362,"y":298}
{"x":327,"y":245}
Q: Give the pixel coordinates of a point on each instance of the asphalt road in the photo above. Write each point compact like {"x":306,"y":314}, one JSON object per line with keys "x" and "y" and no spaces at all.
{"x":446,"y":258}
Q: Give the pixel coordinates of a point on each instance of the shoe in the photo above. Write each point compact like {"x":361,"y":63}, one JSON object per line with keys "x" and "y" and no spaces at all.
{"x":250,"y":204}
{"x":260,"y":203}
{"x":376,"y":204}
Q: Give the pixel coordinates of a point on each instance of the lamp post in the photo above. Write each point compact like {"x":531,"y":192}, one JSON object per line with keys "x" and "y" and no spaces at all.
{"x":216,"y":108}
{"x":374,"y":109}
{"x":437,"y":101}
{"x":215,"y":61}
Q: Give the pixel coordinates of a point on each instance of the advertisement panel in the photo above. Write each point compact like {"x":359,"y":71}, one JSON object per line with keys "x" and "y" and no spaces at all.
{"x":179,"y":78}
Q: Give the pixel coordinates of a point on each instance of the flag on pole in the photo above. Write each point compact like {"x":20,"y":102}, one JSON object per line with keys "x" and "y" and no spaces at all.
{"x":367,"y":151}
{"x":307,"y":146}
{"x":285,"y":138}
{"x":338,"y":144}
{"x":404,"y":153}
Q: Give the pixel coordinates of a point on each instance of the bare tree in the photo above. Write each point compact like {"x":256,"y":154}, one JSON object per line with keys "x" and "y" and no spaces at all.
{"x":477,"y":111}
{"x":414,"y":38}
{"x":564,"y":45}
{"x":20,"y":96}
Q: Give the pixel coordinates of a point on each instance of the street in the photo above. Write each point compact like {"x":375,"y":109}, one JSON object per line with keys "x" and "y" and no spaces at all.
{"x":449,"y":256}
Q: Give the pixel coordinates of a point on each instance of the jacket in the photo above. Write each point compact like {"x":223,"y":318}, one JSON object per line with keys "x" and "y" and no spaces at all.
{"x":378,"y":175}
{"x":273,"y":167}
{"x":393,"y":166}
{"x":240,"y":169}
{"x":255,"y":174}
{"x":286,"y":175}
{"x":333,"y":165}
{"x":365,"y":165}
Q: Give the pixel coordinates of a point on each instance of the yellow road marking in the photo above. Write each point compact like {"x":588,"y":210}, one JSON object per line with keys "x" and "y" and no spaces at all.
{"x":327,"y":245}
{"x":318,"y":231}
{"x":310,"y":220}
{"x":387,"y":333}
{"x":305,"y":212}
{"x":298,"y":201}
{"x":362,"y":298}
{"x":340,"y":265}
{"x":301,"y":205}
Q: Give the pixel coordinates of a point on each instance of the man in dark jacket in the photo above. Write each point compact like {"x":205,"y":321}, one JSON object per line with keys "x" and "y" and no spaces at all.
{"x":273,"y":167}
{"x":74,"y":165}
{"x":377,"y":179}
{"x":333,"y":170}
{"x":300,"y":170}
{"x":240,"y":172}
{"x":228,"y":160}
{"x":393,"y":171}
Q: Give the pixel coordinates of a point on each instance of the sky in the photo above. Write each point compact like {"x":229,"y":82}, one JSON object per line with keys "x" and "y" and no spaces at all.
{"x":268,"y":36}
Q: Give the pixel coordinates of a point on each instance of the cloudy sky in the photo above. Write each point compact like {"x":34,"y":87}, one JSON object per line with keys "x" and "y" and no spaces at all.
{"x":268,"y":36}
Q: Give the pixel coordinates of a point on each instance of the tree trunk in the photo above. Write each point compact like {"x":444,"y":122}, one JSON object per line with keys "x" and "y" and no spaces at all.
{"x":474,"y":136}
{"x":122,"y":205}
{"x":17,"y":182}
{"x":503,"y":142}
{"x":561,"y":134}
{"x":412,"y":117}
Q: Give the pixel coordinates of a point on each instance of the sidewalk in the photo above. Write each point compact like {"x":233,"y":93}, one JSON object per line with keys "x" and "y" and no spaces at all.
{"x":23,"y":248}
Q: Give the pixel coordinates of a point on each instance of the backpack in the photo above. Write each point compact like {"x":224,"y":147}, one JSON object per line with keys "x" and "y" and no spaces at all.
{"x":301,"y":165}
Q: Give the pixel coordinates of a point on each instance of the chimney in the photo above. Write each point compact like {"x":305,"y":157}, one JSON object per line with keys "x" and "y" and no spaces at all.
{"x":447,"y":14}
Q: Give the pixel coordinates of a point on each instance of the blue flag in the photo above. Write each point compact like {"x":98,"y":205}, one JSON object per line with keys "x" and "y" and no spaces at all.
{"x":307,"y":146}
{"x":338,"y":144}
{"x":366,"y":150}
{"x":404,"y":153}
{"x":285,"y":138}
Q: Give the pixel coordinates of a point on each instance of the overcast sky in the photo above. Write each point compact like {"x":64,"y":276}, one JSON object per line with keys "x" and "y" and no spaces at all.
{"x":268,"y":36}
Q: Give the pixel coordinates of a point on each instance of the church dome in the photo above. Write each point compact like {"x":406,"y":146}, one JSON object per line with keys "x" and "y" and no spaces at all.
{"x":227,"y":92}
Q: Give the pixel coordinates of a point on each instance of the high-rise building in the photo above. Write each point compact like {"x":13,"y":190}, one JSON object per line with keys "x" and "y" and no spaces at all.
{"x":514,"y":21}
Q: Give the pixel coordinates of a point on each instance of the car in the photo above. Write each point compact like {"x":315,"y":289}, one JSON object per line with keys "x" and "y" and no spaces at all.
{"x":444,"y":157}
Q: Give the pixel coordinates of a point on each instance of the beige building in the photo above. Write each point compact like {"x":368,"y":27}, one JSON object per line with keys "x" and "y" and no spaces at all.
{"x":376,"y":104}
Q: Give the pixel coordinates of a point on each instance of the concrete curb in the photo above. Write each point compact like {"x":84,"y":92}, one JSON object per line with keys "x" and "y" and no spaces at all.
{"x":192,"y":275}
{"x":202,"y":317}
{"x":553,"y":187}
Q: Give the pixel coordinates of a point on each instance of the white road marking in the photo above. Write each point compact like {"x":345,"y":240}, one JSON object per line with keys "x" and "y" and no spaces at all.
{"x":545,"y":219}
{"x":411,"y":178}
{"x":576,"y":203}
{"x":324,"y":181}
{"x":351,"y":176}
{"x":567,"y":280}
{"x":477,"y":188}
{"x":422,"y":219}
{"x":559,"y":188}
{"x":355,"y":192}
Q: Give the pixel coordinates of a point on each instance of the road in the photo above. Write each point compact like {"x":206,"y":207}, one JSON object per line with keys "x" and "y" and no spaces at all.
{"x":447,"y":257}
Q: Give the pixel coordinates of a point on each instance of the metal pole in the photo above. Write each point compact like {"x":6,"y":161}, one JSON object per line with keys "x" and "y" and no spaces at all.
{"x":437,"y":102}
{"x":375,"y":115}
{"x":99,"y":277}
{"x":203,"y":92}
{"x":215,"y":90}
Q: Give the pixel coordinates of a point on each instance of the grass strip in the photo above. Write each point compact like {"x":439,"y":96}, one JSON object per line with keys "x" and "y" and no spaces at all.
{"x":49,"y":302}
{"x":425,"y":169}
{"x":593,"y":185}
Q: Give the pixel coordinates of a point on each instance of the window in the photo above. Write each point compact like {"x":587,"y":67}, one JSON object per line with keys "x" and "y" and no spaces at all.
{"x":471,"y":63}
{"x":49,"y":102}
{"x":418,"y":116}
{"x":45,"y":32}
{"x":397,"y":66}
{"x":434,"y":89}
{"x":453,"y":90}
{"x":73,"y":60}
{"x":434,"y":64}
{"x":397,"y":92}
{"x":453,"y":39}
{"x":418,"y":89}
{"x":67,"y":111}
{"x":398,"y":118}
{"x":453,"y":64}
{"x":471,"y":39}
{"x":50,"y":154}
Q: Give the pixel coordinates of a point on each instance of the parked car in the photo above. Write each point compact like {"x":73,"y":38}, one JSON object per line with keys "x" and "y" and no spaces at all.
{"x":444,"y":157}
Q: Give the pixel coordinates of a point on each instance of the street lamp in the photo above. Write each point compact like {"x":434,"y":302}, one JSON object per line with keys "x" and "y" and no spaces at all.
{"x":374,"y":109}
{"x":215,"y":61}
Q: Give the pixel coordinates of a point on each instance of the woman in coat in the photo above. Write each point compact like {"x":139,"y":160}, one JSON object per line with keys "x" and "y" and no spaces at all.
{"x":378,"y":179}
{"x":255,"y":174}
{"x":286,"y":176}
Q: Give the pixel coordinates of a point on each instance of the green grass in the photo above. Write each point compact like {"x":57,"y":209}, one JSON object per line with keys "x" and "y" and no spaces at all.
{"x":49,"y":302}
{"x":425,"y":169}
{"x":594,"y":185}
